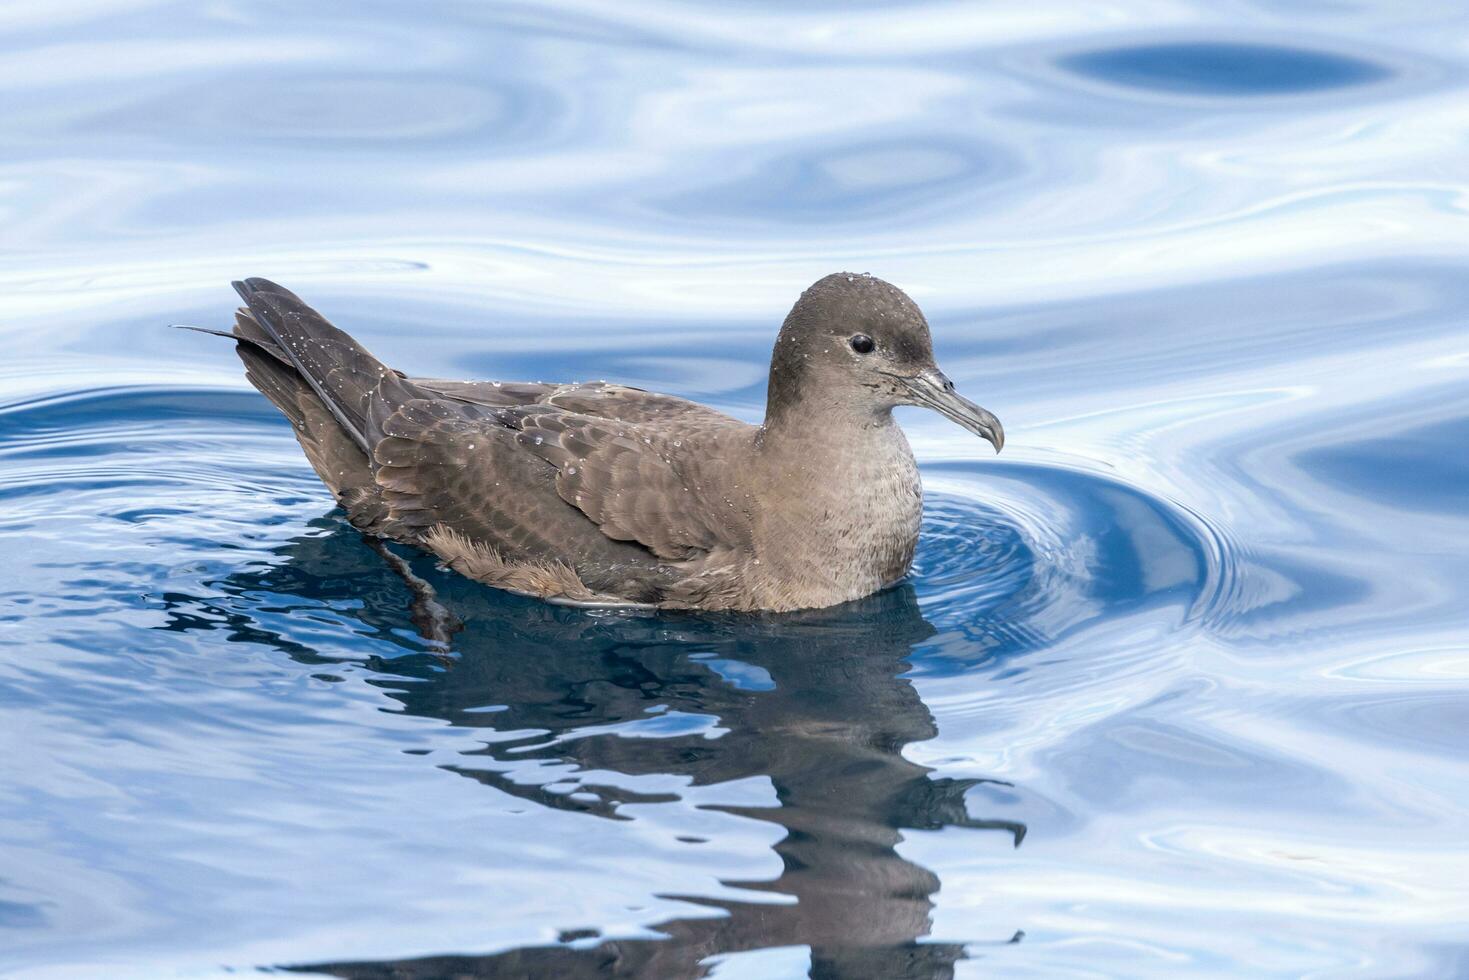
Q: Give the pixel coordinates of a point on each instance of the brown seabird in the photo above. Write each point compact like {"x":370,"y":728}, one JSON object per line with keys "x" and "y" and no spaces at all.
{"x":601,"y":494}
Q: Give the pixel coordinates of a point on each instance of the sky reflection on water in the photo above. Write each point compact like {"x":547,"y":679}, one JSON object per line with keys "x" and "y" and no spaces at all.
{"x":1180,"y":686}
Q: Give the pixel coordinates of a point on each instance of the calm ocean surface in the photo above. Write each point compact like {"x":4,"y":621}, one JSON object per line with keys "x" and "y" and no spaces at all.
{"x":1180,"y":684}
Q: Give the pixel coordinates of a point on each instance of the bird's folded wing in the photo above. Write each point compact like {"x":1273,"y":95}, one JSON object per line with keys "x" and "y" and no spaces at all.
{"x":505,"y":475}
{"x":634,"y":482}
{"x":438,"y":463}
{"x":599,"y":399}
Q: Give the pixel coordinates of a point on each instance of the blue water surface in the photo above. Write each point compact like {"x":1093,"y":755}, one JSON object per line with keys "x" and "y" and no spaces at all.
{"x":1179,"y":685}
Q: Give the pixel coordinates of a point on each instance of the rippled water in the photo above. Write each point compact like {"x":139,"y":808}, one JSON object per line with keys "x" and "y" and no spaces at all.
{"x":1180,"y":685}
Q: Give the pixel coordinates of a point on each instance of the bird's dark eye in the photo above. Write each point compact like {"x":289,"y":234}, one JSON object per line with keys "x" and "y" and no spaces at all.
{"x":862,"y":344}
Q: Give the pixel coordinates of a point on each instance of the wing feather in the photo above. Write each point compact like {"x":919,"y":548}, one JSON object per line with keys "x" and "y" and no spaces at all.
{"x":443,"y":461}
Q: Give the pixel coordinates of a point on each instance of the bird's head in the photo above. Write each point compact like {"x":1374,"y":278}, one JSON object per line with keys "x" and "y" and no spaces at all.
{"x":856,"y":343}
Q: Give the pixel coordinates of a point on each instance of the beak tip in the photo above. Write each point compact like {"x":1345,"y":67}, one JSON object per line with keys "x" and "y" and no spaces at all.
{"x":994,"y":432}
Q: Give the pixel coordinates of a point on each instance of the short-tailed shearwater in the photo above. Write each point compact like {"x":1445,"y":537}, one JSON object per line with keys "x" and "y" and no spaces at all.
{"x":601,"y":494}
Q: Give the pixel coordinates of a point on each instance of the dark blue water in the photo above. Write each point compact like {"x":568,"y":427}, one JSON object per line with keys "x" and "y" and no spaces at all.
{"x":1224,"y":69}
{"x":1179,"y":686}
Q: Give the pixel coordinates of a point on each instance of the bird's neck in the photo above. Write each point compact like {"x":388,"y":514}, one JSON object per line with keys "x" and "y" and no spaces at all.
{"x":799,"y":412}
{"x":827,"y":449}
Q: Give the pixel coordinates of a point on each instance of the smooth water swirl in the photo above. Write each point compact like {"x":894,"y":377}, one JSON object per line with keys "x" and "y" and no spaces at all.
{"x":1179,"y":685}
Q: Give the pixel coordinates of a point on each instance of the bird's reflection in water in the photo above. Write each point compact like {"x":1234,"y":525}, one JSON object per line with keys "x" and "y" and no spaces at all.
{"x":814,"y":701}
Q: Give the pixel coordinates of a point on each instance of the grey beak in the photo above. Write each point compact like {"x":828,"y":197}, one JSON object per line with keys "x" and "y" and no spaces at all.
{"x":932,"y":390}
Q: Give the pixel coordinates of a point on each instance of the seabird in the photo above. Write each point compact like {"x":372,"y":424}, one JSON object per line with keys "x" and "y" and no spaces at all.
{"x":599,"y":494}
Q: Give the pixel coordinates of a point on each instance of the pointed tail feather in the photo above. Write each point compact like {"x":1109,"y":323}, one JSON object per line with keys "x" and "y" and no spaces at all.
{"x":338,"y":369}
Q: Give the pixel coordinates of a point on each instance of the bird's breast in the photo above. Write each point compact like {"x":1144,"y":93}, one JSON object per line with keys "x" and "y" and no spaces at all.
{"x":835,"y":526}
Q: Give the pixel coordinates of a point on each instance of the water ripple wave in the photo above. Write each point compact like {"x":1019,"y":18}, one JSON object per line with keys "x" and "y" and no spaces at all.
{"x":1178,"y":685}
